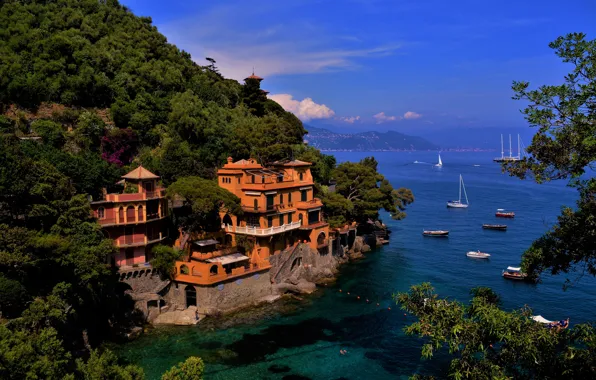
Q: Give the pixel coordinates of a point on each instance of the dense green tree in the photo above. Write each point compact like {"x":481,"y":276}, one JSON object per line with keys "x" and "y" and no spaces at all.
{"x":368,"y":192}
{"x":13,"y":297}
{"x":203,"y":199}
{"x":487,"y":342}
{"x":190,"y":369}
{"x":105,"y":366}
{"x":164,"y":260}
{"x":564,"y":147}
{"x":52,"y":133}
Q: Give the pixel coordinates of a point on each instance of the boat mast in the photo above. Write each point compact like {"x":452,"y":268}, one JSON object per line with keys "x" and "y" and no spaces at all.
{"x":460,"y":181}
{"x":518,"y":149}
{"x":502,"y":152}
{"x":509,"y":145}
{"x":465,"y":194}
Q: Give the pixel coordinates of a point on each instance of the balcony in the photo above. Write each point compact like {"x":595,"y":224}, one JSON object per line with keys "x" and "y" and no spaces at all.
{"x":313,"y":203}
{"x":195,"y":276}
{"x":128,"y":241}
{"x":257,"y":231}
{"x":314,"y":226}
{"x":217,"y":253}
{"x":131,"y":197}
{"x":272,"y":208}
{"x":106,"y":222}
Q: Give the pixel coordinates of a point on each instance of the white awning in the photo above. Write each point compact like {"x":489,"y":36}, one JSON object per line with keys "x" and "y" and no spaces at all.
{"x":515,"y":269}
{"x":228,"y":259}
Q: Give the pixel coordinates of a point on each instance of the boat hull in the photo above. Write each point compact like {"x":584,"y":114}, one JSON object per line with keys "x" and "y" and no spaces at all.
{"x":496,"y":227}
{"x":436,"y":234}
{"x":514,"y":277}
{"x":476,"y":255}
{"x":505,"y":215}
{"x":456,"y":205}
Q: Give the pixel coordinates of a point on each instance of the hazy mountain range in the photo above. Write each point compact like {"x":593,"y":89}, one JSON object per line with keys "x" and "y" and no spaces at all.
{"x":325,"y":139}
{"x":332,"y":137}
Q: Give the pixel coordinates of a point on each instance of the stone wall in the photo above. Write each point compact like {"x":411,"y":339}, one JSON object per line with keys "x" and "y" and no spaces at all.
{"x":223,"y":297}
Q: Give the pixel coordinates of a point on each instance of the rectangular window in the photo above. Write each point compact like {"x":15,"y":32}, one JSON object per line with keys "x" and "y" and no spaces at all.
{"x":238,"y":179}
{"x":303,"y":195}
{"x":281,"y":219}
{"x":290,"y":217}
{"x":313,"y":217}
{"x":289,"y":197}
{"x":281,"y":199}
{"x":270,"y":201}
{"x":269,"y":221}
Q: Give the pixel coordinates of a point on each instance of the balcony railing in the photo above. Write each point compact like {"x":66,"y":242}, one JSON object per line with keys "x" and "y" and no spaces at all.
{"x":217,"y":253}
{"x":194,"y":276}
{"x":256,"y":231}
{"x":138,"y":241}
{"x":128,"y":197}
{"x":114,"y":221}
{"x":315,"y":202}
{"x":270,"y":208}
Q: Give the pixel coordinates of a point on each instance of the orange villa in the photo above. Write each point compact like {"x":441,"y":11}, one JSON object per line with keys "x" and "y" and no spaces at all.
{"x":279,"y":210}
{"x":135,"y":218}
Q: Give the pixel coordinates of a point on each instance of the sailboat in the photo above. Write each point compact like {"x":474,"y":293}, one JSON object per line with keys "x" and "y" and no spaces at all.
{"x":440,"y":164}
{"x":511,"y":157}
{"x":458,"y":203}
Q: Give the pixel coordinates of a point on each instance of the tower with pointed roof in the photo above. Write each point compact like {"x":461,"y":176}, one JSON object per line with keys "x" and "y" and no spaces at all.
{"x":135,"y":217}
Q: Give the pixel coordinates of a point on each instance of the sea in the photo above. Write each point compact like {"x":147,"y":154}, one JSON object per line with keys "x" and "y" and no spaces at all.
{"x":301,"y":338}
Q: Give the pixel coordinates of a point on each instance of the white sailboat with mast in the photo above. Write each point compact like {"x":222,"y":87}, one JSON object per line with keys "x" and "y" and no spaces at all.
{"x":440,"y":164}
{"x":458,"y":203}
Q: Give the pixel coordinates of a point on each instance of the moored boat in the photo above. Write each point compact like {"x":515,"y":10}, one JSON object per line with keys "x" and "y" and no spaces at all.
{"x":514,"y":273}
{"x":435,"y":233}
{"x":498,"y":227}
{"x":501,"y":213}
{"x":459,"y":203}
{"x":478,"y":255}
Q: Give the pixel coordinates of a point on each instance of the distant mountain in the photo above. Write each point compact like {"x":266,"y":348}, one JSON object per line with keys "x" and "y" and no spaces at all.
{"x":324,"y":139}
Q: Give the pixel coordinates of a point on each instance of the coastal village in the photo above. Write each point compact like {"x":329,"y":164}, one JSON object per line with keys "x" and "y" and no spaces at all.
{"x":281,"y":243}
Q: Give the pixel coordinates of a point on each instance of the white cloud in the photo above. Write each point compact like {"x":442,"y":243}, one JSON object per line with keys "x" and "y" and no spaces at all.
{"x":410,"y":115}
{"x":381,"y":117}
{"x":297,"y":47}
{"x":305,"y":109}
{"x":348,"y":119}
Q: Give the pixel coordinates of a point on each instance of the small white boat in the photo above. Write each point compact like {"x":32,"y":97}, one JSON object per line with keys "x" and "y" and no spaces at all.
{"x":458,"y":203}
{"x":478,"y":255}
{"x":440,"y":163}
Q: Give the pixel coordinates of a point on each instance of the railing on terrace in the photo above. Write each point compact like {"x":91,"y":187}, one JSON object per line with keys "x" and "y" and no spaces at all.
{"x":315,"y":202}
{"x":256,"y":231}
{"x":194,"y":276}
{"x":267,"y":180}
{"x":137,"y":240}
{"x":109,"y":221}
{"x":217,"y":253}
{"x":275,"y":207}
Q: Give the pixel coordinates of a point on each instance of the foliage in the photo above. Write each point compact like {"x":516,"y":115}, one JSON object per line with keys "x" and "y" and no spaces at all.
{"x":118,"y":146}
{"x":164,"y":260}
{"x":204,"y":199}
{"x":564,"y":147}
{"x":105,"y":366}
{"x":13,"y":297}
{"x":51,"y":133}
{"x":191,"y":369}
{"x":489,"y":343}
{"x":322,"y":164}
{"x":367,"y":191}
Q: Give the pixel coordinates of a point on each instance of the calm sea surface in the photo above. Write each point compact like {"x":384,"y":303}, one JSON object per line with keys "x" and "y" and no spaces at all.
{"x":296,"y":339}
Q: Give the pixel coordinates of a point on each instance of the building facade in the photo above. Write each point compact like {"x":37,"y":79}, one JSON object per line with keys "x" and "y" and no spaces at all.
{"x":135,"y":218}
{"x":278,"y":204}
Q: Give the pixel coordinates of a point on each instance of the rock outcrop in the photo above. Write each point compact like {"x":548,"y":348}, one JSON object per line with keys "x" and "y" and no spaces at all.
{"x":187,"y":317}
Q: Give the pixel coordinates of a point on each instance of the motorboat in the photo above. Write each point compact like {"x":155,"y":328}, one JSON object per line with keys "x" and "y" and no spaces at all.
{"x":514,"y":273}
{"x":478,"y":255}
{"x":435,"y":233}
{"x":501,"y":213}
{"x":498,"y":227}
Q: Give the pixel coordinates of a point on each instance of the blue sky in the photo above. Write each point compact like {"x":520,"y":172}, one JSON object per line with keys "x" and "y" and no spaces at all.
{"x":381,"y":64}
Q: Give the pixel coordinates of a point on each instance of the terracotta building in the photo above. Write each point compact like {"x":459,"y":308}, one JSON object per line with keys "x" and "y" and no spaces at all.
{"x":276,"y":200}
{"x":279,"y":210}
{"x":135,"y":217}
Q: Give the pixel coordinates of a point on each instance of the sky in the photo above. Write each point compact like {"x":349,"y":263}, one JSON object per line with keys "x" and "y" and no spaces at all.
{"x":404,"y":65}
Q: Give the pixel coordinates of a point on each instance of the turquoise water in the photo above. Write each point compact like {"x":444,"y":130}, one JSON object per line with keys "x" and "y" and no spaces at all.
{"x":301,"y":339}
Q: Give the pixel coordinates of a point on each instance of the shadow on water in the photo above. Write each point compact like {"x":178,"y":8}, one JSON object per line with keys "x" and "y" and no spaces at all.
{"x":363,"y":331}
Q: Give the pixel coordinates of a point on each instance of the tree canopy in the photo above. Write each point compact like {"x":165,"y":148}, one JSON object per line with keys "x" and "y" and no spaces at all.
{"x":564,"y":148}
{"x":487,"y":342}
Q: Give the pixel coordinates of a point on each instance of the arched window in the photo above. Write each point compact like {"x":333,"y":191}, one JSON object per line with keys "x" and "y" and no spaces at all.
{"x":300,"y":219}
{"x":191,"y":296}
{"x":213,"y":270}
{"x":121,"y":214}
{"x":101,"y":213}
{"x":140,"y":217}
{"x":130,"y":214}
{"x":184,"y":269}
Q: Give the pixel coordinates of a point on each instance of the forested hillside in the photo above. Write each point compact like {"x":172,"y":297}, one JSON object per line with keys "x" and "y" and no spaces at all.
{"x":87,"y":91}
